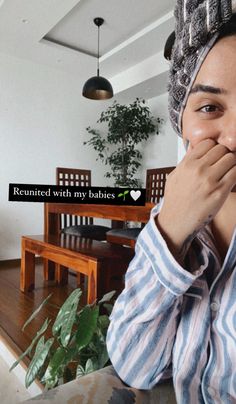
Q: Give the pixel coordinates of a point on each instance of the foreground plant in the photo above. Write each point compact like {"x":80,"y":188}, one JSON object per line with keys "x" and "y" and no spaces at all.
{"x":77,"y":346}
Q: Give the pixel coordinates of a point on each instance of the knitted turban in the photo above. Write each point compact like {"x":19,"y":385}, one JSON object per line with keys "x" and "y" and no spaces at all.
{"x":198,"y":23}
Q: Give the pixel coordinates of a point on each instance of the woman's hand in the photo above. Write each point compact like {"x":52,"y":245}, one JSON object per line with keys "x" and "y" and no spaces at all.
{"x":194,"y":193}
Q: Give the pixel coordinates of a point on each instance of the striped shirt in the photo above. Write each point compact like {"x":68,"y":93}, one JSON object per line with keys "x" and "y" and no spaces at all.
{"x":171,"y":321}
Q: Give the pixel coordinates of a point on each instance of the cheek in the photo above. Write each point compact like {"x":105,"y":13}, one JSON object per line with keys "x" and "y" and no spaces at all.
{"x":195,"y":130}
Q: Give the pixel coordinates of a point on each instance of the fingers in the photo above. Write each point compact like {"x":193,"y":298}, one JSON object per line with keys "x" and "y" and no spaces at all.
{"x":214,"y":157}
{"x":215,"y":154}
{"x":199,"y":186}
{"x":229,"y":179}
{"x":224,"y":164}
{"x":214,"y":166}
{"x":202,"y":148}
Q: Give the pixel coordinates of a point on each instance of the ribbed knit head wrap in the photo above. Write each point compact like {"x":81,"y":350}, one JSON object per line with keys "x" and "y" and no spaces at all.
{"x":198,"y":24}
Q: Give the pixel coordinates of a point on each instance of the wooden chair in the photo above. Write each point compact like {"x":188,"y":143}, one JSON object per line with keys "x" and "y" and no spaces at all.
{"x":155,"y":183}
{"x":155,"y":187}
{"x":75,"y":225}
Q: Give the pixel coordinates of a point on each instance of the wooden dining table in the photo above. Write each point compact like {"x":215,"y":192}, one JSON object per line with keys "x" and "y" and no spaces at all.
{"x":52,"y":212}
{"x":121,"y":213}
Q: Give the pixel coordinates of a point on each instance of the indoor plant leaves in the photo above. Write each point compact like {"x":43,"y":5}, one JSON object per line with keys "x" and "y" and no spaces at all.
{"x":107,"y":297}
{"x":87,"y":325}
{"x":70,"y":305}
{"x":55,"y":367}
{"x":29,"y":349}
{"x":38,"y":360}
{"x":35,"y":313}
{"x":78,"y":345}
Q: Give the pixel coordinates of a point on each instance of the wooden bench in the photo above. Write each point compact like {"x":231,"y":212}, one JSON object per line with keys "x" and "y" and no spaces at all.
{"x":99,"y":261}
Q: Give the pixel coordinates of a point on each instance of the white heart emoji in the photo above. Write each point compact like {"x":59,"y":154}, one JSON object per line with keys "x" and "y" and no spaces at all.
{"x":135,"y":194}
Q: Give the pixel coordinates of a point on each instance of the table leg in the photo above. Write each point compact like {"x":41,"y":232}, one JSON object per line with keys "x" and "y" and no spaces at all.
{"x":93,"y":281}
{"x":51,"y":226}
{"x":27,"y":278}
{"x":48,"y":270}
{"x":61,"y":274}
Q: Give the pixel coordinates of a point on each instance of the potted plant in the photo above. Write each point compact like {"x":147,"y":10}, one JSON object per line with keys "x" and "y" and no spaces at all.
{"x":77,"y":345}
{"x":128,"y":126}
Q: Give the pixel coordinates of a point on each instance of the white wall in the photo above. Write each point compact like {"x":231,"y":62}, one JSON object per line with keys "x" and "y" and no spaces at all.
{"x":161,"y":149}
{"x":42,"y":125}
{"x":181,"y":149}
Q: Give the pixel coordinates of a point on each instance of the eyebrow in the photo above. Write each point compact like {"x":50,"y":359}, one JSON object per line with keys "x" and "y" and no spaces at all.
{"x":207,"y":89}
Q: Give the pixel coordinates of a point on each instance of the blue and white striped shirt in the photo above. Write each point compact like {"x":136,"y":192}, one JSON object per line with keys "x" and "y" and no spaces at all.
{"x":171,"y":321}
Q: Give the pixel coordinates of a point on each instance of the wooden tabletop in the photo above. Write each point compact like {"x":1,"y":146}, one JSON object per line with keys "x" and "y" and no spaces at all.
{"x":113,"y":212}
{"x":52,"y":213}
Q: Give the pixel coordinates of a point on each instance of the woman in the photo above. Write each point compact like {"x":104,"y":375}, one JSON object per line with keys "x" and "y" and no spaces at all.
{"x":177,"y":313}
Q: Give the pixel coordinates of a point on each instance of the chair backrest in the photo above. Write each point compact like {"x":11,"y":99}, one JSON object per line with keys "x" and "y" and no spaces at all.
{"x":73,"y":177}
{"x":155,"y":183}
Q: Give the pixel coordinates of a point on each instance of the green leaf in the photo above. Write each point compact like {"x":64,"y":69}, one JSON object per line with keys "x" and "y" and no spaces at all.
{"x":21,"y":357}
{"x":29,"y":349}
{"x":64,"y":314}
{"x":67,"y":326}
{"x":103,"y":321}
{"x":40,"y":344}
{"x":34,"y":314}
{"x":103,"y":357}
{"x":80,"y":371}
{"x":120,"y":195}
{"x":89,"y":367}
{"x":37,"y":362}
{"x":107,"y":297}
{"x":55,"y":368}
{"x":87,"y":326}
{"x":126,"y":192}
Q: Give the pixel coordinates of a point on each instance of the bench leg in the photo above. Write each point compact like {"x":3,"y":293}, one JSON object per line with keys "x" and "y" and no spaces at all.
{"x":27,"y":278}
{"x":93,"y":281}
{"x":81,"y":280}
{"x":61,"y":274}
{"x":48,"y":270}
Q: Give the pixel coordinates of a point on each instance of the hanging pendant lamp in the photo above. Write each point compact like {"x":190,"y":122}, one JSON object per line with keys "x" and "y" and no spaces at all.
{"x":169,"y":46}
{"x":97,"y":87}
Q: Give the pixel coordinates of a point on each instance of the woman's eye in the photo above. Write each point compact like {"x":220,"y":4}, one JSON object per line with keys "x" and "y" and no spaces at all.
{"x":209,"y":109}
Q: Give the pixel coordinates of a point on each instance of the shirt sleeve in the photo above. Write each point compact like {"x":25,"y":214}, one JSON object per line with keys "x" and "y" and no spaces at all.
{"x":145,"y":316}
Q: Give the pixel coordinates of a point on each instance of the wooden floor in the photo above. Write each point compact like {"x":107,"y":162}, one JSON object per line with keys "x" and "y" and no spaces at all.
{"x":16,"y":307}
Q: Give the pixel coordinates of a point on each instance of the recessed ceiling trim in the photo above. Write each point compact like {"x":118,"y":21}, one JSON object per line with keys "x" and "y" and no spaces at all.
{"x":118,"y":48}
{"x":64,"y":45}
{"x":137,"y":36}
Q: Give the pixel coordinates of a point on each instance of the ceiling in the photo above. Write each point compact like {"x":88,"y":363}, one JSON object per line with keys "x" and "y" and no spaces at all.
{"x":62,"y":34}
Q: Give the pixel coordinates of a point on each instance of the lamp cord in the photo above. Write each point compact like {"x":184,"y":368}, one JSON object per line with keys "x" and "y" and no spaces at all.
{"x":98,"y":51}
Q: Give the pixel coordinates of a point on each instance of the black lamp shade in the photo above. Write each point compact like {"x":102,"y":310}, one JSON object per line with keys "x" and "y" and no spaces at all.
{"x":97,"y":88}
{"x":169,"y":46}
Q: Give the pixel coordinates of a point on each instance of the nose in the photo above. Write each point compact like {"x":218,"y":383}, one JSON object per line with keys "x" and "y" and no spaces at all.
{"x":228,"y":141}
{"x":227,"y":136}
